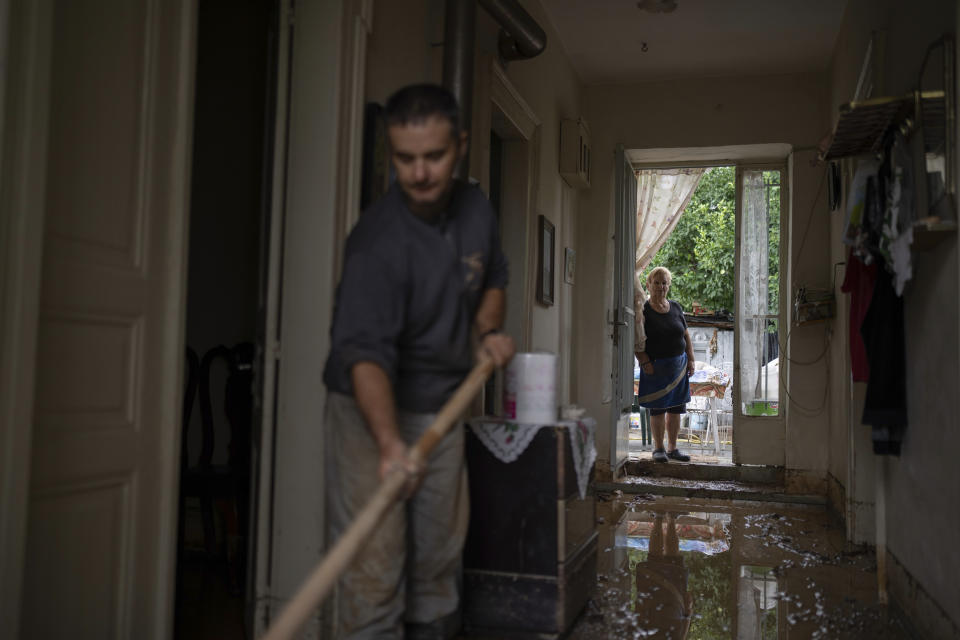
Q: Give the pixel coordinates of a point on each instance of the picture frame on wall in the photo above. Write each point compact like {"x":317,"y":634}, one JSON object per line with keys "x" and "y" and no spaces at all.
{"x":545,"y":262}
{"x":569,"y":265}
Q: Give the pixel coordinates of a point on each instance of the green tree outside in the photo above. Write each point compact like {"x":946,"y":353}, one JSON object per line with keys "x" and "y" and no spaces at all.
{"x":701,"y":251}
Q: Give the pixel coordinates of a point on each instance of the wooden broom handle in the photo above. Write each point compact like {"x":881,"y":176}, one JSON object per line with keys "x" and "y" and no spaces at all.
{"x":320,"y":582}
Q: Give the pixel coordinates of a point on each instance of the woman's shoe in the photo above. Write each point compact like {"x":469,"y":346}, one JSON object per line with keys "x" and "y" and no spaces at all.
{"x":679,"y":457}
{"x":660,"y":455}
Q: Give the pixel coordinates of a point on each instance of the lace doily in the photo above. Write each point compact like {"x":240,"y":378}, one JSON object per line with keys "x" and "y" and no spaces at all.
{"x":507,"y":440}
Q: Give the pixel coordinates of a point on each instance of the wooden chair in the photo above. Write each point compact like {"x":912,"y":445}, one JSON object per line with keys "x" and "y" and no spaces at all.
{"x":224,"y":487}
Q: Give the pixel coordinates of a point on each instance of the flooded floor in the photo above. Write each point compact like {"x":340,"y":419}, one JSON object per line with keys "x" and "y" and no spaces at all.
{"x":672,"y":567}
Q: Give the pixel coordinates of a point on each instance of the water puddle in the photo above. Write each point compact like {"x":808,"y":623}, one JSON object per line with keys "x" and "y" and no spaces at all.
{"x":682,"y":568}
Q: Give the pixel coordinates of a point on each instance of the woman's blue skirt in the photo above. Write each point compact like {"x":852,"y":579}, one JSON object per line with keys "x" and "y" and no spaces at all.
{"x":668,"y":385}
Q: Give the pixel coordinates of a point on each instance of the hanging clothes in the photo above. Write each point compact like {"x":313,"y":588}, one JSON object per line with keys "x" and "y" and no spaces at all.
{"x":859,"y":282}
{"x":885,"y":406}
{"x":879,"y":230}
{"x":900,"y":213}
{"x":857,"y":200}
{"x":871,"y":229}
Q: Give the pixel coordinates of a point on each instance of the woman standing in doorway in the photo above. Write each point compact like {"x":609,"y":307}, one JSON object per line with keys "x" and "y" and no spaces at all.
{"x":666,"y":363}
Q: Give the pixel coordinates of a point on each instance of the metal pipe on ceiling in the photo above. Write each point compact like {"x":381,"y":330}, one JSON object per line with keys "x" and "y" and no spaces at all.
{"x":460,"y":28}
{"x":520,"y":37}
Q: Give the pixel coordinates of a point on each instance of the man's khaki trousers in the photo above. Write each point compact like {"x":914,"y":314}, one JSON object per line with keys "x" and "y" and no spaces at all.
{"x":407,"y":574}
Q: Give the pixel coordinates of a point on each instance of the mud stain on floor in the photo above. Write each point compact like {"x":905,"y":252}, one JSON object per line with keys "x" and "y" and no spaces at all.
{"x":675,"y":567}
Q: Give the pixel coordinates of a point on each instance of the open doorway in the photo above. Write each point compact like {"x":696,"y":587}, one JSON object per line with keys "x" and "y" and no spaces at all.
{"x":720,"y":238}
{"x":229,"y":195}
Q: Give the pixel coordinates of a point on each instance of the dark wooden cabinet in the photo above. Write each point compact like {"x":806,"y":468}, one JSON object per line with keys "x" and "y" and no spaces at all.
{"x":531,"y":552}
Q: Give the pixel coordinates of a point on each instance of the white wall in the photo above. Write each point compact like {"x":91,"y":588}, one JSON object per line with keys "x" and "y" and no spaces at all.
{"x":704,"y":112}
{"x":808,"y":408}
{"x":925,"y":477}
{"x":403,"y":46}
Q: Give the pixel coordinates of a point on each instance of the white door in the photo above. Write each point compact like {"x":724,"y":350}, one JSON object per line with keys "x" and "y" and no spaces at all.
{"x":315,"y":162}
{"x":101,"y":525}
{"x":625,"y":212}
{"x":760,"y":291}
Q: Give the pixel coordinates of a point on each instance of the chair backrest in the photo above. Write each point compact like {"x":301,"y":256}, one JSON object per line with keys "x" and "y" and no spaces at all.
{"x":206,"y":402}
{"x":237,"y":403}
{"x":189,"y":395}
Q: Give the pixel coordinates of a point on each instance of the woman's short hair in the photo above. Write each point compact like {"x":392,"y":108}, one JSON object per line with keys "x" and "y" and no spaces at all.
{"x":657,"y":271}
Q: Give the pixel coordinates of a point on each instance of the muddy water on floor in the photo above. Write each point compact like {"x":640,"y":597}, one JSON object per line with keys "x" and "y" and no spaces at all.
{"x":684,"y":568}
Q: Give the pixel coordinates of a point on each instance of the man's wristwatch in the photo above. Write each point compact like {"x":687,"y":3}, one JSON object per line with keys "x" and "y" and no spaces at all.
{"x":487,"y":333}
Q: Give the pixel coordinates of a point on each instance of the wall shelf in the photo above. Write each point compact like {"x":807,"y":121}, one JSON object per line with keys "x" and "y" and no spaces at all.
{"x":863,"y":125}
{"x":928,"y":232}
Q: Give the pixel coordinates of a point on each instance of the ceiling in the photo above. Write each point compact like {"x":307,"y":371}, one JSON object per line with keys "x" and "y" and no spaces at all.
{"x":604,"y":38}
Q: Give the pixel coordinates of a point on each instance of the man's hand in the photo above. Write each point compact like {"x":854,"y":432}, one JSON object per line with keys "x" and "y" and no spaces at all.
{"x":394,"y":454}
{"x":499,"y":347}
{"x":374,"y":395}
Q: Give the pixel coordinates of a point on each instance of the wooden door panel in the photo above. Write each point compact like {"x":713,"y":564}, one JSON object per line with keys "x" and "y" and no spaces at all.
{"x":69,"y":399}
{"x":102,"y":505}
{"x":82,"y":530}
{"x":102,"y":72}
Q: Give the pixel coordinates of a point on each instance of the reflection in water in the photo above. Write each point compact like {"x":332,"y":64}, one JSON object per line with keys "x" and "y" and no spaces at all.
{"x":678,"y":561}
{"x":663,"y":574}
{"x":757,"y":602}
{"x":670,"y":568}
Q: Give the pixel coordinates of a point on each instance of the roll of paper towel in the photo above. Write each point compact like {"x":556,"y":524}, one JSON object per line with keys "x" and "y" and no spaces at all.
{"x":530,"y":388}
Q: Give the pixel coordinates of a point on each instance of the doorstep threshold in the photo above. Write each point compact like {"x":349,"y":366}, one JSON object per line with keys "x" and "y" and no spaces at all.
{"x":750,"y":474}
{"x":708,"y":489}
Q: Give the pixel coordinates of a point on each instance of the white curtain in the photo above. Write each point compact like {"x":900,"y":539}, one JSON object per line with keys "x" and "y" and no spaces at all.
{"x":662,"y":195}
{"x":753,"y":283}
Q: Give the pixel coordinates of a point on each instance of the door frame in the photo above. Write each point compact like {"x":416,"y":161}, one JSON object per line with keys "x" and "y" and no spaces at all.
{"x":770,"y":431}
{"x":500,"y":108}
{"x":768,"y":156}
{"x":321,"y":66}
{"x":622,"y":314}
{"x":495,"y":94}
{"x":261,"y":495}
{"x":25,"y":93}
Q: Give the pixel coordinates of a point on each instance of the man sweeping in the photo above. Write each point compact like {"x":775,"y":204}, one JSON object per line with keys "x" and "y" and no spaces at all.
{"x":422,"y":289}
